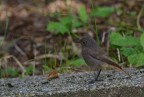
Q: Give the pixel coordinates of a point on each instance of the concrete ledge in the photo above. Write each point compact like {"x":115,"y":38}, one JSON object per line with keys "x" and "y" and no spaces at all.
{"x":113,"y":84}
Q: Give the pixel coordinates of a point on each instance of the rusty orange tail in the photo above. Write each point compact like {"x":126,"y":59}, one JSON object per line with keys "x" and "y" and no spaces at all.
{"x":120,"y":69}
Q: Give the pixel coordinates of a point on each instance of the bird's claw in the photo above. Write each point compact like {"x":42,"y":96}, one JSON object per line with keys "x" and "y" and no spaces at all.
{"x":93,"y":81}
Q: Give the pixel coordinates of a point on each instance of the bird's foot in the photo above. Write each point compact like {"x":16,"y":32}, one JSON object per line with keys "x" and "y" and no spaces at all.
{"x":93,"y":81}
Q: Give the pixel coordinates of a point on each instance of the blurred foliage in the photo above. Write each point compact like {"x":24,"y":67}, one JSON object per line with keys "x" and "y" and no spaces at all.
{"x":131,"y":47}
{"x":29,"y":70}
{"x":66,"y":24}
{"x":102,"y":12}
{"x":77,"y":62}
{"x":119,"y":40}
{"x":9,"y":72}
{"x":83,"y":14}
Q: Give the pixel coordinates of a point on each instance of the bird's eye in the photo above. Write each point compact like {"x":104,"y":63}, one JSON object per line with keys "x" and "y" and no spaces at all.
{"x":84,"y":42}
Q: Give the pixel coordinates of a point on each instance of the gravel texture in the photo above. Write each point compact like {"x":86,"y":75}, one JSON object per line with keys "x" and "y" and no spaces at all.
{"x":111,"y":84}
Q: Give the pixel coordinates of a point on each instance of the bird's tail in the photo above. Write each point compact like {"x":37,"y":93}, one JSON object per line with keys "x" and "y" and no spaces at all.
{"x":110,"y":62}
{"x":120,"y":69}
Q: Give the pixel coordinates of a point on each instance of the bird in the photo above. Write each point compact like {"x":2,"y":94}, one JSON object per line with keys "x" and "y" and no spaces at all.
{"x":95,"y":56}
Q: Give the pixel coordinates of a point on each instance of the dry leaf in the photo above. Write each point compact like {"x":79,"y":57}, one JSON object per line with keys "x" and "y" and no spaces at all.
{"x":53,"y":74}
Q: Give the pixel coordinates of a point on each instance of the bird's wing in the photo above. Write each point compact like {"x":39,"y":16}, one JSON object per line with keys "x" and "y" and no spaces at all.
{"x":100,"y":55}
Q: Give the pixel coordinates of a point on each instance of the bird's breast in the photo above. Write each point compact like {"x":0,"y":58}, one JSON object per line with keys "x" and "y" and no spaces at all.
{"x":90,"y":61}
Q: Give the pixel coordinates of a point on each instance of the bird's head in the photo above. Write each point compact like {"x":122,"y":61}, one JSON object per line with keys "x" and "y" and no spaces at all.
{"x":87,"y":41}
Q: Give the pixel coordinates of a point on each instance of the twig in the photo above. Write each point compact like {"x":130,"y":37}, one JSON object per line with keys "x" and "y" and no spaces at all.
{"x":46,"y":56}
{"x":34,"y":52}
{"x":17,"y":61}
{"x":138,"y":18}
{"x":20,"y":50}
{"x":119,"y":57}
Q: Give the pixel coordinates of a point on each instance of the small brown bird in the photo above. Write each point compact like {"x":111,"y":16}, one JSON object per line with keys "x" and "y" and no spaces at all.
{"x":95,"y":56}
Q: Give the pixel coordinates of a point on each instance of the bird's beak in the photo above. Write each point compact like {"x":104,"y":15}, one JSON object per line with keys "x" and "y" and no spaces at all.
{"x":77,"y":40}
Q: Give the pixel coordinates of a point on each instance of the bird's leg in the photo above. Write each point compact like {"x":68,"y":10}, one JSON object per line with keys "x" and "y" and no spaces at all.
{"x":96,"y":79}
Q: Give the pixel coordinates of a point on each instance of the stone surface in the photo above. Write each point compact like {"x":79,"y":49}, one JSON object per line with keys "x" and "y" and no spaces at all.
{"x":112,"y":84}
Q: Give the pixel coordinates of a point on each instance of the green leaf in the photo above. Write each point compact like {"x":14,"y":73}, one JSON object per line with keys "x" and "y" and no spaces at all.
{"x":133,"y":59}
{"x":142,"y":40}
{"x":131,"y":41}
{"x":77,"y":62}
{"x":128,"y":51}
{"x":52,"y":26}
{"x":115,"y":36}
{"x":66,"y":20}
{"x":29,"y":70}
{"x":118,"y":40}
{"x":11,"y":71}
{"x":59,"y":28}
{"x":76,"y":24}
{"x":46,"y":67}
{"x":140,"y":60}
{"x":102,"y":12}
{"x":70,"y":22}
{"x":83,"y":14}
{"x":136,"y":59}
